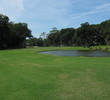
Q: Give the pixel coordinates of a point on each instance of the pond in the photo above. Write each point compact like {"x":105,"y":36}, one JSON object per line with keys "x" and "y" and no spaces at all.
{"x":77,"y":53}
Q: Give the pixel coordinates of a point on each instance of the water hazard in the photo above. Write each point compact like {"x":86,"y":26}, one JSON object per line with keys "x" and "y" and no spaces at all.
{"x":77,"y":53}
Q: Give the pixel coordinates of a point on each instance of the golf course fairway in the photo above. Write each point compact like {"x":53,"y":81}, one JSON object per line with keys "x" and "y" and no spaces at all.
{"x":28,"y":75}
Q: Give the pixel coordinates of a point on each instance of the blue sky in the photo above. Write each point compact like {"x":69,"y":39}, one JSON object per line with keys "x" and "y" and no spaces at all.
{"x":43,"y":15}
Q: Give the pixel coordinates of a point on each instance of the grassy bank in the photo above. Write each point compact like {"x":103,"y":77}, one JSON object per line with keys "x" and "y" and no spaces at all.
{"x":27,"y":75}
{"x":104,"y":48}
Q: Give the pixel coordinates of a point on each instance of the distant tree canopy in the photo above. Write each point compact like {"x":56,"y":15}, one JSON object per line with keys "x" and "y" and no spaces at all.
{"x":86,"y":35}
{"x":12,"y":35}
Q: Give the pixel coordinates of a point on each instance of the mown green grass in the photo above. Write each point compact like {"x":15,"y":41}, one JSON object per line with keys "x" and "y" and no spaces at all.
{"x":27,"y":75}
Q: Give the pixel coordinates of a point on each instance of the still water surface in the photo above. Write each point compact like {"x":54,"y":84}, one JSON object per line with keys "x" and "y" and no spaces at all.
{"x":76,"y":53}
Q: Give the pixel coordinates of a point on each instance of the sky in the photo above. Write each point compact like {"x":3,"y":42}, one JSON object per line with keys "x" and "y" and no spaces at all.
{"x":43,"y":15}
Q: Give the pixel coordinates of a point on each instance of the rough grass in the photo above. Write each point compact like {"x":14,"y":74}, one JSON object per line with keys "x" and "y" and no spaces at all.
{"x":103,"y":48}
{"x":27,"y":75}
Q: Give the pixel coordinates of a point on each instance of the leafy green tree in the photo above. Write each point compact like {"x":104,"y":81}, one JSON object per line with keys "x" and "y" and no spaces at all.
{"x":30,"y":42}
{"x":4,"y":31}
{"x":19,"y":33}
{"x":54,"y":37}
{"x":43,"y":35}
{"x":67,"y":36}
{"x":89,"y":35}
{"x":105,"y":28}
{"x":12,"y":35}
{"x":40,"y":42}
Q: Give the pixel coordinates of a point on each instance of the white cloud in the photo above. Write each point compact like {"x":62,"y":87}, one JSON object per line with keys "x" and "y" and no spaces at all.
{"x":11,"y":8}
{"x":99,"y":9}
{"x":48,"y":9}
{"x":105,"y":8}
{"x":46,"y":13}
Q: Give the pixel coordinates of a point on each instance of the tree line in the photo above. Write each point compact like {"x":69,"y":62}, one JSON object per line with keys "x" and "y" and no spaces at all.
{"x":13,"y":35}
{"x":86,"y":35}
